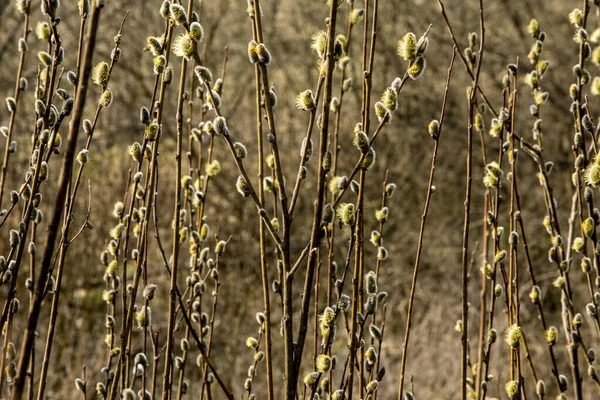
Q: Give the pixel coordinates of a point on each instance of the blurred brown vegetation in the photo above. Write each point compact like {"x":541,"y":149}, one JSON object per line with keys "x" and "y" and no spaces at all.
{"x":404,"y":150}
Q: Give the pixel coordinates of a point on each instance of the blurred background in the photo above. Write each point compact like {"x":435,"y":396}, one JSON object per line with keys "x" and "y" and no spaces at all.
{"x":404,"y":149}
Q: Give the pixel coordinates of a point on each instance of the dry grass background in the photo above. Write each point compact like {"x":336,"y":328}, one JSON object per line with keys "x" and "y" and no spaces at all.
{"x":404,"y":150}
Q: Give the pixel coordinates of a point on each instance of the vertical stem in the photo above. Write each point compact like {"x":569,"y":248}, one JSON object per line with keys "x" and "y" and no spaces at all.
{"x":262,"y":243}
{"x":168,"y":373}
{"x":467,"y":213}
{"x":316,"y":231}
{"x":422,"y":232}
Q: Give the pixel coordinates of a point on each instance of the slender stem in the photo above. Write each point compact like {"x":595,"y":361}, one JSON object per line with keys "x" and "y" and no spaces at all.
{"x":262,"y":243}
{"x":293,"y":362}
{"x":168,"y":374}
{"x":467,"y":213}
{"x":422,"y":231}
